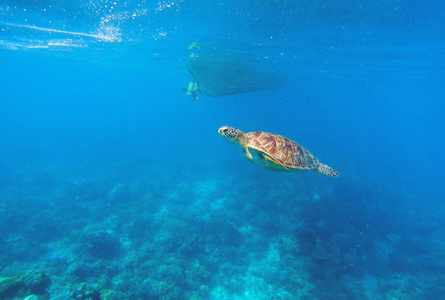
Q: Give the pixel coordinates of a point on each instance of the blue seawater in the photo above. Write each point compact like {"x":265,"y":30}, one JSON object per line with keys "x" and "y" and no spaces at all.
{"x":114,"y":184}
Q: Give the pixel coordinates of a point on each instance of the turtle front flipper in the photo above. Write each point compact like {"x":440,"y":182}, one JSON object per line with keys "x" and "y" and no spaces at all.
{"x":275,"y":161}
{"x":248,"y":155}
{"x":326,"y":170}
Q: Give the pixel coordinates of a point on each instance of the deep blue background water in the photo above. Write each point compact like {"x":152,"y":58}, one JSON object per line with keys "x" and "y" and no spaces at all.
{"x":364,"y":93}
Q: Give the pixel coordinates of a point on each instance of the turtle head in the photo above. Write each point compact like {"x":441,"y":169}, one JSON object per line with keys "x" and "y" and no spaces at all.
{"x":229,"y":133}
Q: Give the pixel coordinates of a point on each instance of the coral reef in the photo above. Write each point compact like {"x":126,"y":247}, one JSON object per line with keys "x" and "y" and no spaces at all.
{"x":230,"y":239}
{"x":36,"y":281}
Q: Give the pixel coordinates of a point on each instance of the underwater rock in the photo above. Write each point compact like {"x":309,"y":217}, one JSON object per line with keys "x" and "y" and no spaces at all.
{"x":174,"y":234}
{"x":10,"y":286}
{"x":112,"y":295}
{"x":119,"y":193}
{"x":268,"y":223}
{"x":220,"y":232}
{"x":149,"y":265}
{"x":141,"y":229}
{"x":288,"y":245}
{"x":157,"y":289}
{"x":198,"y":275}
{"x":36,"y":282}
{"x":320,"y":254}
{"x":351,"y":288}
{"x":80,"y":270}
{"x":235,"y":284}
{"x":102,"y":244}
{"x":228,"y":270}
{"x":171,"y":274}
{"x":87,"y":291}
{"x":203,"y":292}
{"x":270,"y":274}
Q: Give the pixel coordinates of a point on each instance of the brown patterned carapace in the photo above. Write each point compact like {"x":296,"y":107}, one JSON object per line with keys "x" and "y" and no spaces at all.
{"x":284,"y":150}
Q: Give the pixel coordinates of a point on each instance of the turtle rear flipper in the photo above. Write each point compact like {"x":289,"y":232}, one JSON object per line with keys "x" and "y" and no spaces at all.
{"x":326,"y":170}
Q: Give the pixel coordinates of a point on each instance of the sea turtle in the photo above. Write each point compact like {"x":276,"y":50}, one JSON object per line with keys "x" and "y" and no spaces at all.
{"x":275,"y":152}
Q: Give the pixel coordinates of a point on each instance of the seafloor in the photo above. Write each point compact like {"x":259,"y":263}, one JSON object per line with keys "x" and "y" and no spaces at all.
{"x":141,"y":232}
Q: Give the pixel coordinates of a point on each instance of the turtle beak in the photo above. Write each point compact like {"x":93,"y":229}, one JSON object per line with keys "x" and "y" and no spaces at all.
{"x":222,"y":130}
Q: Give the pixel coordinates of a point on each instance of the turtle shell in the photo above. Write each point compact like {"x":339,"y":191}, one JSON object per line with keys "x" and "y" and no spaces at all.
{"x":285,"y":151}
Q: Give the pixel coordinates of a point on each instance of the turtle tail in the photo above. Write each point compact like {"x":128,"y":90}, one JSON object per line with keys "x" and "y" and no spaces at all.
{"x":326,"y":170}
